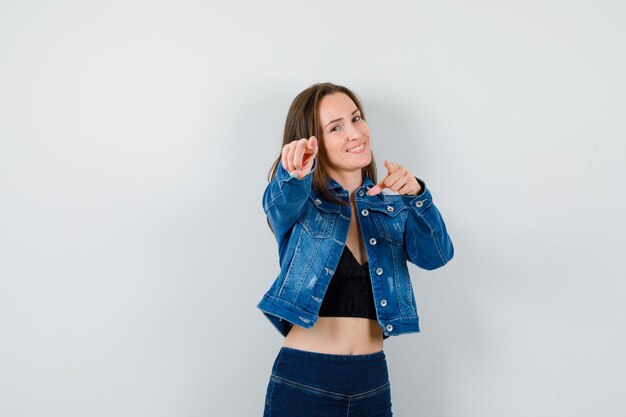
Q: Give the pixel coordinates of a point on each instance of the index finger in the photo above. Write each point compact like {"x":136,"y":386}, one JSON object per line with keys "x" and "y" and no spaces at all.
{"x":298,"y":153}
{"x":391,"y":166}
{"x":378,"y":187}
{"x":310,"y":151}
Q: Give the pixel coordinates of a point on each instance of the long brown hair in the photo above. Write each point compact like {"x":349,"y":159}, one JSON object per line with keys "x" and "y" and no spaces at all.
{"x":303,"y":122}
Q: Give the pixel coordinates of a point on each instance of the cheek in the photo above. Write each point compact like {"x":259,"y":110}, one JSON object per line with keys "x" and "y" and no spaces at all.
{"x":331,"y":147}
{"x":328,"y":151}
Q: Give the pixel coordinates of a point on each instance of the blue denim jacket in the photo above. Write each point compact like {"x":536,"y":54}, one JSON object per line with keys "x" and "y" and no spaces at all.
{"x":311,"y":233}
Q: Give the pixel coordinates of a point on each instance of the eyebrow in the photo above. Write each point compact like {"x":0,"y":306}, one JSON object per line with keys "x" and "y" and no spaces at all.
{"x":336,"y":120}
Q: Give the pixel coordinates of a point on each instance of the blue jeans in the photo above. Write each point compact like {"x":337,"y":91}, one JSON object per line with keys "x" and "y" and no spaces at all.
{"x":313,"y":384}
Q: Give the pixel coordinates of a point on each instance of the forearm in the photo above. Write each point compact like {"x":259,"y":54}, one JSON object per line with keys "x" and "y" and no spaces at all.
{"x":427,"y":242}
{"x":284,"y":198}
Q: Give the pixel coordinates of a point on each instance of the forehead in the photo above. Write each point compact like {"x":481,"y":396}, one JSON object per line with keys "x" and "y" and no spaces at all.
{"x":334,"y":106}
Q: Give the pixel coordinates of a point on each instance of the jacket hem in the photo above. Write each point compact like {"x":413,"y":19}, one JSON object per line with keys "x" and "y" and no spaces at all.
{"x":401,"y":326}
{"x":284,"y":315}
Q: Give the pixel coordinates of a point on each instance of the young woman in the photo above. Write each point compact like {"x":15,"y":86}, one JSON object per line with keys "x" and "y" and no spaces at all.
{"x":344,"y":240}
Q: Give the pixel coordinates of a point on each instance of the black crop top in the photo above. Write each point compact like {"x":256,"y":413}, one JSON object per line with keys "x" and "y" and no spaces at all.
{"x":349,"y":293}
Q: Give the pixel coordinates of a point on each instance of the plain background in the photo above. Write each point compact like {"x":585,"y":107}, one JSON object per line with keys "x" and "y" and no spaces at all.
{"x":135,"y":140}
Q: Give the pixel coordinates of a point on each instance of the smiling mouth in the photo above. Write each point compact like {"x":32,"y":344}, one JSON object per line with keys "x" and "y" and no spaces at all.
{"x":356,"y":148}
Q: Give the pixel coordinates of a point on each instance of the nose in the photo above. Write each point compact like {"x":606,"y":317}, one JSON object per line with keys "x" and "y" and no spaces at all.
{"x":352,"y":132}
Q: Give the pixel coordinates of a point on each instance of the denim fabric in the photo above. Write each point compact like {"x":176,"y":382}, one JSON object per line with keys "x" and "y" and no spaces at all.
{"x":312,"y":384}
{"x":311,"y":233}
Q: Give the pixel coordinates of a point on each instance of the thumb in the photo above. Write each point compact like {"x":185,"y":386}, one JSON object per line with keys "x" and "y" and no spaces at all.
{"x":377,"y":188}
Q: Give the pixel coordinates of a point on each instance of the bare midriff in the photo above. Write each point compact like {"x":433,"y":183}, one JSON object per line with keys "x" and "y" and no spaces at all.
{"x":338,"y":335}
{"x":341,"y":335}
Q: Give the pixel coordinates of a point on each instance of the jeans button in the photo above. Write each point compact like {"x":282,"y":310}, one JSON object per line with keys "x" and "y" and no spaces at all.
{"x":379,"y":271}
{"x":389,"y":327}
{"x":361,"y":193}
{"x":383,"y":302}
{"x":372,"y":241}
{"x":365,"y":212}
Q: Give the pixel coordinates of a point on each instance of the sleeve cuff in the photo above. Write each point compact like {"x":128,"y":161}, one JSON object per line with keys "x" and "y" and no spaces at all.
{"x":422,"y":185}
{"x":282,"y":175}
{"x":421,"y":201}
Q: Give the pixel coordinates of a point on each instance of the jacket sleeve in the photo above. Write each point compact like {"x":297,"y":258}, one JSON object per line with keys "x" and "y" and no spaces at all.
{"x":427,"y":242}
{"x":284,"y":198}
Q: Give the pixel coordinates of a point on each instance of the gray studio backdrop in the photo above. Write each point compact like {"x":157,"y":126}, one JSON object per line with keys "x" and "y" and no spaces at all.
{"x":135,"y":139}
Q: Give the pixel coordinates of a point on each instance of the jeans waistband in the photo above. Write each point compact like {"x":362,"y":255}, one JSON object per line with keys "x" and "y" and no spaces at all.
{"x":288,"y":351}
{"x":347,"y":374}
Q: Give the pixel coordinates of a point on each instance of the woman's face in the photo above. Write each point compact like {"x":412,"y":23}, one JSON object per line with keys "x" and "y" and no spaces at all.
{"x":346,"y":137}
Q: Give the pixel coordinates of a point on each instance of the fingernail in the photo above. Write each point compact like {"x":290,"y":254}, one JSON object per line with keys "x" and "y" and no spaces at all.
{"x":293,"y":174}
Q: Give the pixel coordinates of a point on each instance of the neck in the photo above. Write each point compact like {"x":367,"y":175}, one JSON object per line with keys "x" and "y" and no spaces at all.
{"x":349,"y":180}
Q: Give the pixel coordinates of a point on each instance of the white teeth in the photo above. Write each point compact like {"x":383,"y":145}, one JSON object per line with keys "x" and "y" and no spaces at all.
{"x":358,"y":148}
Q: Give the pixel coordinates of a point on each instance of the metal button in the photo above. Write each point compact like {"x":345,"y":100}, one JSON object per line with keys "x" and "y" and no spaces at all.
{"x":372,"y":241}
{"x":383,"y":302}
{"x":379,"y":271}
{"x":318,"y":201}
{"x":365,"y":212}
{"x":419,"y":203}
{"x":361,"y":193}
{"x":390,"y":208}
{"x":389,"y":327}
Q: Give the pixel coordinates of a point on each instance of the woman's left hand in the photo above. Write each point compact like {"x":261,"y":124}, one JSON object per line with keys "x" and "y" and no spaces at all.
{"x":398,"y":179}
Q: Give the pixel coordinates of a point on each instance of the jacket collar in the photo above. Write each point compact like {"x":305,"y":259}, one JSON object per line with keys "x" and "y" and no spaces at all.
{"x":333,"y":185}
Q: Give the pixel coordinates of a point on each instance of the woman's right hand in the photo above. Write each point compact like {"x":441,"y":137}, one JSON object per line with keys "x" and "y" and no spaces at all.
{"x":298,"y":155}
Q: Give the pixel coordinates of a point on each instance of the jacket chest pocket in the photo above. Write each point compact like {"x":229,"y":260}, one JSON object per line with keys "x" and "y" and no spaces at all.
{"x":389,"y":220}
{"x":318,"y":219}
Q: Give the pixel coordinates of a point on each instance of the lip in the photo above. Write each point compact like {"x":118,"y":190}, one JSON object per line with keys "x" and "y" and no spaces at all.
{"x":359,"y":151}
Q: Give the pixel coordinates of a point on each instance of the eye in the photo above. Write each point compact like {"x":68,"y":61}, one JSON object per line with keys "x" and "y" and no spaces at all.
{"x":334,"y":128}
{"x":356,"y":119}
